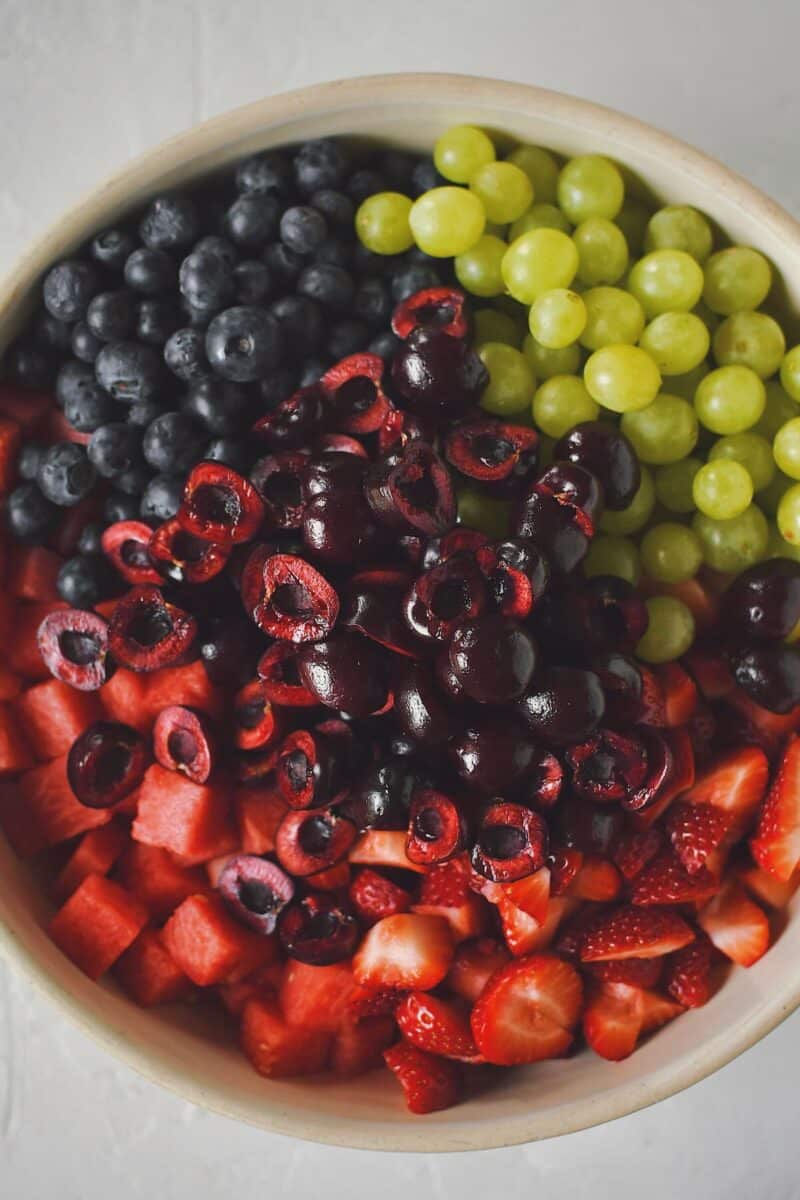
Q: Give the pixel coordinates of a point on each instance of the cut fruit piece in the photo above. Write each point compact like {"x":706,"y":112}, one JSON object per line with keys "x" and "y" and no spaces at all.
{"x":474,"y":964}
{"x":531,"y":894}
{"x":776,"y":843}
{"x":383,"y":848}
{"x":34,"y":571}
{"x":679,"y":693}
{"x":22,"y":647}
{"x":10,"y":439}
{"x":374,"y":897}
{"x":688,"y":973}
{"x":188,"y":686}
{"x":618,"y":1014}
{"x":149,"y":973}
{"x":210,"y":946}
{"x":437,"y":1026}
{"x":259,"y":812}
{"x":408,"y":950}
{"x":122,"y":697}
{"x":767,"y":729}
{"x":527,"y":1011}
{"x":15,"y":751}
{"x":429,"y":1083}
{"x":637,"y":972}
{"x":736,"y":925}
{"x":155,"y":878}
{"x":277,"y":1049}
{"x":42,"y":810}
{"x":445,"y":892}
{"x":263,"y":984}
{"x":191,"y":820}
{"x":95,"y":854}
{"x":710,"y":672}
{"x":632,"y":932}
{"x":696,"y":831}
{"x":769,"y":890}
{"x":597,"y":879}
{"x":98,"y":922}
{"x":521,"y":932}
{"x":358,"y":1046}
{"x":635,"y":848}
{"x":316,"y":997}
{"x":53,"y":715}
{"x":666,"y":881}
{"x":734,"y":783}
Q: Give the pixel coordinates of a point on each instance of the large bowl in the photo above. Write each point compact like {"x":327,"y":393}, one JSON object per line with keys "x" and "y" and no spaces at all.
{"x":183,"y":1052}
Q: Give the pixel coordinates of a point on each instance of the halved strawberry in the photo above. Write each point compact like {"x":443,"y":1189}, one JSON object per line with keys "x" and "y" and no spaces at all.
{"x":372,"y":1002}
{"x":436,"y":1025}
{"x":522,"y":933}
{"x":474,"y":964}
{"x":767,"y":729}
{"x":445,"y":893}
{"x":734,"y":783}
{"x":635,"y":849}
{"x":769,"y":890}
{"x":687,"y":973}
{"x":383,"y":848}
{"x":527,"y":1011}
{"x":429,"y":1083}
{"x":618,"y":1014}
{"x":598,"y":879}
{"x":633,"y":932}
{"x":710,"y":672}
{"x":638,"y":972}
{"x":696,"y":830}
{"x":374,"y":897}
{"x":776,"y":843}
{"x":679,"y":692}
{"x":408,"y":950}
{"x":736,"y":925}
{"x":666,"y":881}
{"x":531,"y":894}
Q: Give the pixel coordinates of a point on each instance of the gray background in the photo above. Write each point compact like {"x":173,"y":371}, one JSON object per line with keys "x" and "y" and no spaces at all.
{"x":85,"y":84}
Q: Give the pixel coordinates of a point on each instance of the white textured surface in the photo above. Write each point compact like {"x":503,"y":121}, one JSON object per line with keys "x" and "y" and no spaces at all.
{"x":84,"y":84}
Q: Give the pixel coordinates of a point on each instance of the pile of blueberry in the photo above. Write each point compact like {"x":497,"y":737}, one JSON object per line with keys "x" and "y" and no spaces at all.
{"x":169,"y":335}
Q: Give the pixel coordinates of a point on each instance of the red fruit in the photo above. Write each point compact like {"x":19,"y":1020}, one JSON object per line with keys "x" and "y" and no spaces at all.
{"x":531,"y":894}
{"x":766,"y":888}
{"x":149,"y":974}
{"x":98,"y":922}
{"x":27,"y":409}
{"x":332,"y":879}
{"x":687,"y":973}
{"x":679,"y":693}
{"x":316,"y":997}
{"x":736,"y":784}
{"x":74,"y":644}
{"x":383,"y":848}
{"x":255,"y":890}
{"x":190,"y":820}
{"x":10,"y":439}
{"x":630,"y":932}
{"x":277,"y":669}
{"x":147,"y":632}
{"x":182,"y":557}
{"x":278,"y":479}
{"x":474,"y":964}
{"x":310,"y":768}
{"x":436,"y":1026}
{"x":210,"y":946}
{"x":317,"y":930}
{"x":710,"y":672}
{"x":492,"y":453}
{"x":597,"y":879}
{"x":666,"y":881}
{"x":758,"y":725}
{"x":736,"y":925}
{"x":696,"y":831}
{"x":277,"y":1049}
{"x":15,"y":753}
{"x":521,"y":932}
{"x":516,"y":573}
{"x":446,"y":892}
{"x":429,"y":1083}
{"x":608,"y":766}
{"x":125,"y":544}
{"x":436,"y":828}
{"x":220,"y":506}
{"x":775,"y":845}
{"x":182,"y":741}
{"x":436,"y":309}
{"x":53,"y":715}
{"x":512,"y":843}
{"x":358,"y":1046}
{"x":672,"y":771}
{"x":612,"y":1021}
{"x":34,"y":571}
{"x":354,"y":399}
{"x":259,"y":812}
{"x":637,"y":972}
{"x":106,"y":763}
{"x":450,"y":593}
{"x":41,"y":810}
{"x":124,"y":698}
{"x":412,"y":492}
{"x":373,"y":607}
{"x":311,"y":841}
{"x":10,"y":684}
{"x":95,"y":854}
{"x":340,"y":443}
{"x":372,"y":1002}
{"x":565,"y":862}
{"x":374,"y":897}
{"x":154,"y":877}
{"x":527,"y":1011}
{"x":407,"y":950}
{"x":188,"y":686}
{"x":297,"y":604}
{"x":255,"y":721}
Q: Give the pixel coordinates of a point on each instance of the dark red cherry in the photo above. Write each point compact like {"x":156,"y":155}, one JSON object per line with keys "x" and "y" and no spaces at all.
{"x":661,"y":768}
{"x":183,"y":558}
{"x":412,"y":491}
{"x":436,"y":828}
{"x":561,"y":530}
{"x":494,"y":657}
{"x":146,"y":632}
{"x":346,"y":672}
{"x":493,"y":755}
{"x":439,"y":309}
{"x":438,"y":375}
{"x":297,"y":603}
{"x":626,"y":683}
{"x":313,"y":840}
{"x":444,"y":597}
{"x":374,"y":607}
{"x":251,"y":575}
{"x":340,"y":528}
{"x":278,"y":479}
{"x":331,"y":472}
{"x":340,"y":443}
{"x":565,"y":706}
{"x":277,"y":670}
{"x":769,"y":673}
{"x":604,"y":613}
{"x":764,"y":601}
{"x":227,"y":647}
{"x":516,"y":573}
{"x":422,"y":712}
{"x":256,"y":891}
{"x":512,"y":843}
{"x":600,"y":448}
{"x":355,"y":400}
{"x":446,"y":678}
{"x":295,"y":422}
{"x":125,"y":544}
{"x":318,"y":931}
{"x":183,"y":741}
{"x":219,"y":505}
{"x":256,"y":723}
{"x":582,"y":825}
{"x":462,"y":538}
{"x":381,"y":796}
{"x":500,"y":456}
{"x":574,"y":484}
{"x":542,"y":782}
{"x":608,"y":766}
{"x":74,"y":646}
{"x":311,"y":769}
{"x":106,"y":763}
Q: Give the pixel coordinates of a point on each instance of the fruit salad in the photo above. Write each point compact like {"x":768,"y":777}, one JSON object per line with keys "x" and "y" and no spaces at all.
{"x":401,"y":595}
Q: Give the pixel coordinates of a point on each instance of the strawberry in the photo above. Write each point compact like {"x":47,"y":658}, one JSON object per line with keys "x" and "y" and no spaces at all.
{"x":638,"y":972}
{"x":736,"y":925}
{"x":527,"y":1011}
{"x":474,"y":964}
{"x":767,"y":729}
{"x":445,"y":892}
{"x":666,"y":881}
{"x":531,"y":894}
{"x":429,"y":1083}
{"x":734,"y":783}
{"x":679,"y":691}
{"x":436,"y":1025}
{"x":710,"y":672}
{"x":598,"y":879}
{"x":408,"y":950}
{"x":373,"y":896}
{"x":635,"y":848}
{"x":565,"y":862}
{"x":618,"y":1014}
{"x":657,"y":1010}
{"x":687,"y":973}
{"x":630,"y":932}
{"x":776,"y":843}
{"x":383,"y":848}
{"x":696,"y":830}
{"x":358,"y":1046}
{"x":372,"y":1002}
{"x":521,"y":932}
{"x":766,"y":888}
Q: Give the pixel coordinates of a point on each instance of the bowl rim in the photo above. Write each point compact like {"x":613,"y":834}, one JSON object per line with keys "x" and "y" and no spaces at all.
{"x":321,"y":99}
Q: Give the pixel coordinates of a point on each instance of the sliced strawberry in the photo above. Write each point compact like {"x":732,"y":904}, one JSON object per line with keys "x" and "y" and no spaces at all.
{"x":374,"y":897}
{"x":734,"y":783}
{"x":372,"y":1002}
{"x":565,"y":862}
{"x":638,"y":972}
{"x":383,"y":848}
{"x":612,"y":1021}
{"x":408,"y":950}
{"x":679,"y":691}
{"x":687,"y":973}
{"x":736,"y":925}
{"x":776,"y":843}
{"x":696,"y":830}
{"x":445,"y":893}
{"x":436,"y":1025}
{"x":522,"y":933}
{"x":767,"y":888}
{"x":429,"y":1083}
{"x":474,"y":964}
{"x":766,"y":729}
{"x":666,"y":881}
{"x":527,"y":1011}
{"x":635,"y":849}
{"x":531,"y":894}
{"x":632,"y":932}
{"x":558,"y":910}
{"x":657,"y":1010}
{"x":598,"y":879}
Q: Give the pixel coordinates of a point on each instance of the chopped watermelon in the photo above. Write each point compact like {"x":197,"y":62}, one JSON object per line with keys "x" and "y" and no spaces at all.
{"x":97,"y":924}
{"x":41,"y":810}
{"x":53,"y":715}
{"x":149,"y":974}
{"x":15,"y":751}
{"x":95,"y":854}
{"x":211,"y":946}
{"x":317,"y":997}
{"x":191,"y":820}
{"x":278,"y":1049}
{"x":259,"y":812}
{"x":154,"y":877}
{"x":34,"y":571}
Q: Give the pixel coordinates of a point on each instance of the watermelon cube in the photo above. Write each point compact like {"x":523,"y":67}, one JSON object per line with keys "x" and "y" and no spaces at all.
{"x":277,"y":1049}
{"x":53,"y":715}
{"x":154,"y":877}
{"x":123,"y":699}
{"x":34,"y":570}
{"x":98,"y":922}
{"x":10,"y":439}
{"x":95,"y":854}
{"x":211,"y":946}
{"x":15,"y":751}
{"x":40,"y":810}
{"x":23,"y":652}
{"x":191,"y":820}
{"x":317,"y":997}
{"x":265,"y":983}
{"x":188,"y":685}
{"x":149,"y":973}
{"x":10,"y":684}
{"x":259,"y":812}
{"x":358,"y":1046}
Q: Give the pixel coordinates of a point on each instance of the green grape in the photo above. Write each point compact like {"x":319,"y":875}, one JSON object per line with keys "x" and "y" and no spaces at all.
{"x":709,"y":318}
{"x":666,"y":281}
{"x":539,"y":216}
{"x":612,"y":556}
{"x":632,"y":219}
{"x":676,"y":341}
{"x":541,"y":168}
{"x":590,"y":186}
{"x":382,"y":223}
{"x":664,"y":432}
{"x":674,"y":485}
{"x":547,"y":363}
{"x":730,"y":399}
{"x":790,"y":373}
{"x":722,"y":489}
{"x":679,"y":227}
{"x":752,"y":451}
{"x":637,"y":514}
{"x":752,"y":339}
{"x":511,"y":380}
{"x":788,"y":516}
{"x":503,"y":189}
{"x":613,"y":317}
{"x":538,"y":261}
{"x":670,"y":630}
{"x":461,"y":151}
{"x":686,"y":385}
{"x":562,"y":402}
{"x":736,"y":279}
{"x":735,"y":544}
{"x":779,"y":548}
{"x":770,"y":497}
{"x":602,"y":251}
{"x":446,"y":221}
{"x":786,"y":448}
{"x":490,"y":325}
{"x":778,"y":409}
{"x":476,"y":510}
{"x":670,"y":553}
{"x":622,"y":378}
{"x":478,"y":269}
{"x":557,"y":318}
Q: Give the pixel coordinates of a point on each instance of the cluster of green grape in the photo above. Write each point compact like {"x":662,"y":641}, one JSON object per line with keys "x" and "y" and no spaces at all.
{"x":600,"y":308}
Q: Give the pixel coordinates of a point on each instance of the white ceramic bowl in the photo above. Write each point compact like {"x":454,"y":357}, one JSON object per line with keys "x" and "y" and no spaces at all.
{"x":183,"y":1053}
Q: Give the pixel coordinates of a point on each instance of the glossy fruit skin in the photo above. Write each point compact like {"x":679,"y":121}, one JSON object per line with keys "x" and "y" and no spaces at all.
{"x":443,"y":598}
{"x":412,"y":491}
{"x":106,"y":763}
{"x":501,"y":457}
{"x":183,"y":741}
{"x":341,"y":528}
{"x":419,"y":707}
{"x":318,"y":931}
{"x":354,"y":396}
{"x":312,"y":767}
{"x":608,"y":454}
{"x":769,"y":673}
{"x":561,"y":530}
{"x":381,"y":797}
{"x":438,"y":374}
{"x":313,"y":840}
{"x":494,"y":658}
{"x":571,"y":482}
{"x":146,"y":632}
{"x":439,"y":309}
{"x":604,"y":613}
{"x":566,"y":706}
{"x":345,"y":672}
{"x":125,"y":545}
{"x":609,"y":766}
{"x":493,"y":755}
{"x":373,"y":607}
{"x":512,"y":843}
{"x":764,"y":601}
{"x":437,"y":828}
{"x":255,"y":890}
{"x":295,"y":421}
{"x":183,"y":558}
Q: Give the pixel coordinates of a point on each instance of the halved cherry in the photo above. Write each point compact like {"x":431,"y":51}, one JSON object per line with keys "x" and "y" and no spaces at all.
{"x":256,"y":890}
{"x":256,"y":766}
{"x":562,"y":531}
{"x":608,"y":766}
{"x":341,"y":443}
{"x":126,"y":545}
{"x":542,"y":782}
{"x":317,"y":930}
{"x":372,"y":606}
{"x":436,"y":828}
{"x":355,"y":399}
{"x":444,"y":597}
{"x":146,"y":632}
{"x":575,"y":485}
{"x":660,"y":767}
{"x":604,"y":612}
{"x":183,"y":741}
{"x":310,"y":769}
{"x":184,"y":558}
{"x":394,"y":432}
{"x":220,"y":505}
{"x":437,"y":308}
{"x":517,"y":575}
{"x":492,"y":453}
{"x":106,"y":763}
{"x":413,"y":489}
{"x":277,"y":670}
{"x":297,"y":603}
{"x":294,"y":422}
{"x":251,"y":578}
{"x":458,"y":539}
{"x":512,"y":843}
{"x":312,"y":840}
{"x":278,"y":479}
{"x":255,"y":721}
{"x":74,"y":646}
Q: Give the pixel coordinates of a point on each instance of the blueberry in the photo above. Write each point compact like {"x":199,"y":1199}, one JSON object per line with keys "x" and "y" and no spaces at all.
{"x":243,"y":343}
{"x":218,"y":405}
{"x":196,"y":316}
{"x":51,"y":334}
{"x":129,"y":371}
{"x":319,"y":164}
{"x":334,"y":252}
{"x":410,"y":279}
{"x":212,"y":243}
{"x":91,"y":538}
{"x":112,"y":247}
{"x":150,"y":271}
{"x":364,"y":182}
{"x":29,"y":514}
{"x":337,"y":208}
{"x":85,"y":345}
{"x":230,"y":451}
{"x":367,"y":264}
{"x":172,"y":443}
{"x":346,"y":337}
{"x":424,"y":177}
{"x":330,"y":286}
{"x":143,"y":413}
{"x":156,"y":320}
{"x":312,"y":372}
{"x":268,"y":172}
{"x":372,"y":303}
{"x":32,"y":366}
{"x":162,"y":498}
{"x":65,"y":474}
{"x":89,"y":411}
{"x":169,"y":223}
{"x":185,"y":354}
{"x":68,"y":287}
{"x":277,"y":386}
{"x":85,"y":580}
{"x":253,"y":281}
{"x":384,"y":345}
{"x":115,"y":448}
{"x":74,"y":381}
{"x":133,"y":481}
{"x":252,"y":219}
{"x":397,"y":168}
{"x":303,"y":229}
{"x":29,"y":459}
{"x":284,"y":263}
{"x":111,"y":316}
{"x":206,"y":280}
{"x":119,"y":507}
{"x":302,"y":325}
